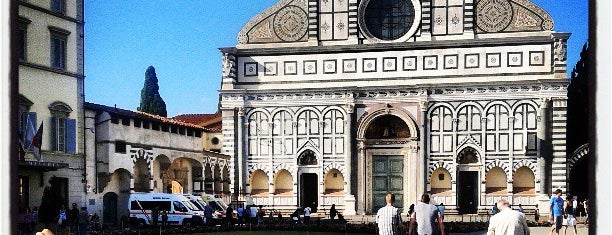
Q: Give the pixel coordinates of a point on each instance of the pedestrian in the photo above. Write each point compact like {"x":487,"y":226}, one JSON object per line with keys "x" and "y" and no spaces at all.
{"x":73,"y":217}
{"x":34,"y":219}
{"x":507,"y":221}
{"x":388,"y":218}
{"x":62,"y":218}
{"x":520,"y":209}
{"x":586,"y":211}
{"x":333,"y":212}
{"x":260,"y":215}
{"x":426,"y":215}
{"x":164,"y":218}
{"x":229,"y":216}
{"x":27,"y":221}
{"x":208,"y":214}
{"x":307,"y":211}
{"x":537,"y":213}
{"x":569,"y":219}
{"x":441,"y":210}
{"x":155,"y":215}
{"x":240,"y":213}
{"x":253,"y":214}
{"x":575,"y":205}
{"x":83,"y":221}
{"x":494,"y":210}
{"x":410,"y":210}
{"x":556,"y":211}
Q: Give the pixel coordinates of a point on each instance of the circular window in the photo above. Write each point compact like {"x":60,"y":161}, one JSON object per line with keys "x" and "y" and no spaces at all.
{"x":214,"y":140}
{"x":389,"y":19}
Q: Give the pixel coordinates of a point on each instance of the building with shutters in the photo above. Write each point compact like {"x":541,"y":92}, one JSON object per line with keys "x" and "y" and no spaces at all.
{"x":51,"y":93}
{"x":339,"y":102}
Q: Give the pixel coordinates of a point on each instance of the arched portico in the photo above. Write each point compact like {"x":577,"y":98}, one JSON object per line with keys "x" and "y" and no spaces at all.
{"x":387,"y":158}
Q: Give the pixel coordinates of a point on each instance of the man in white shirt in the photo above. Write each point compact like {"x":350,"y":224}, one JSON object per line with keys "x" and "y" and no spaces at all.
{"x":307,"y":215}
{"x":388,"y":218}
{"x":426,"y":215}
{"x":507,"y":221}
{"x":253,"y":213}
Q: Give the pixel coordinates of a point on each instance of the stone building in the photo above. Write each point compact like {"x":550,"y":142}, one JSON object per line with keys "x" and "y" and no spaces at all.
{"x":339,"y":102}
{"x":134,"y":152}
{"x":50,"y":53}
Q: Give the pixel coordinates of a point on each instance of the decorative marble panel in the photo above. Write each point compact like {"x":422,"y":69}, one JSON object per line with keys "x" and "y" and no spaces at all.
{"x":410,"y":63}
{"x":290,"y":67}
{"x":515,"y":59}
{"x":493,"y":60}
{"x":250,"y":69}
{"x":536,"y":58}
{"x":518,"y":142}
{"x":448,"y":143}
{"x":271,"y":68}
{"x":341,"y":26}
{"x":349,"y":66}
{"x":451,"y":61}
{"x":389,"y":64}
{"x":369,"y":65}
{"x":310,"y":67}
{"x":329,"y":66}
{"x":435,"y":143}
{"x":503,"y":142}
{"x":439,"y":21}
{"x":455,"y":20}
{"x":326,"y":26}
{"x":339,"y":145}
{"x":430,"y":62}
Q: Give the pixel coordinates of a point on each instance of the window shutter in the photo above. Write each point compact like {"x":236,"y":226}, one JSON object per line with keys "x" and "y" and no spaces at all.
{"x":53,"y":134}
{"x":70,"y":135}
{"x":30,"y":128}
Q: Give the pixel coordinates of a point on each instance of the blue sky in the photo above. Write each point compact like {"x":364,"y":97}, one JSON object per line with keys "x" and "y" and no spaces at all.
{"x":180,"y":38}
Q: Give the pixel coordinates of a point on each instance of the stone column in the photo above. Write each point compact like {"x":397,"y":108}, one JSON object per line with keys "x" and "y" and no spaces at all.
{"x":349,"y":198}
{"x":361,"y":190}
{"x":239,"y":188}
{"x":543,"y":143}
{"x":423,"y":161}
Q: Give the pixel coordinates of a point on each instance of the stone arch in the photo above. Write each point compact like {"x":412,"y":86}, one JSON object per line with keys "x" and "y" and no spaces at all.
{"x":470,"y":103}
{"x":441,"y":164}
{"x":283,"y":183}
{"x":307,"y":158}
{"x":368,"y":119}
{"x":496,"y":181}
{"x":259,"y":182}
{"x":497,"y":102}
{"x":217,"y":178}
{"x":330,"y":166}
{"x":256,"y":110}
{"x":288,"y":167}
{"x":333,"y":182}
{"x":334,"y":108}
{"x":441,"y":181}
{"x":523,"y":181}
{"x":469,"y":154}
{"x":497,"y":163}
{"x":276,"y":111}
{"x":578,"y":154}
{"x":438,"y":105}
{"x":304,"y":109}
{"x":142,"y":176}
{"x":528,"y":102}
{"x":527,"y":163}
{"x":258,"y":166}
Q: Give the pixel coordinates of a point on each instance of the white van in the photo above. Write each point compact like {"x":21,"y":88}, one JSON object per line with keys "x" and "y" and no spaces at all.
{"x":217,"y":204}
{"x":179,"y":209}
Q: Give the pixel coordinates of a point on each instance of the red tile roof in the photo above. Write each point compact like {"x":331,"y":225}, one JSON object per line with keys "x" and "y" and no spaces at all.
{"x":208,"y":121}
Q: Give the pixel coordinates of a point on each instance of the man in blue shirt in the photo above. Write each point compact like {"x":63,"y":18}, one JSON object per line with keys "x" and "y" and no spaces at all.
{"x":556,"y":211}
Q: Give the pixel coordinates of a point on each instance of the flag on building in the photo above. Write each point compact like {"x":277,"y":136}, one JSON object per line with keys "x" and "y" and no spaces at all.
{"x":37,"y":142}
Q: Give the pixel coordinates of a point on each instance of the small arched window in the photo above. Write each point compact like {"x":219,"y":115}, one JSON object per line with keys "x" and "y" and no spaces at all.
{"x":308,"y":157}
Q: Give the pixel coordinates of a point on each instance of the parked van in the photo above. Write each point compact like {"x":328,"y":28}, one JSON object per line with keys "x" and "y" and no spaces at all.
{"x":180,"y":210}
{"x":219,"y":206}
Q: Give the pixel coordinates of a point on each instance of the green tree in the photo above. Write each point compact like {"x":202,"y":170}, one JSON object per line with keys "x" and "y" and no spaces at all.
{"x":150,"y":100}
{"x":578,"y":102}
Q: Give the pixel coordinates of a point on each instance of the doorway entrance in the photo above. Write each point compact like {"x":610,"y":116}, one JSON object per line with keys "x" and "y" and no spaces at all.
{"x":467,"y":196}
{"x":110,"y":208}
{"x":309,"y":192}
{"x":387,"y":177}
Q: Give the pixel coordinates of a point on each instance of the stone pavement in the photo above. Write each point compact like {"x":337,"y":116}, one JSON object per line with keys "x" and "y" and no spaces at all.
{"x":582,"y":230}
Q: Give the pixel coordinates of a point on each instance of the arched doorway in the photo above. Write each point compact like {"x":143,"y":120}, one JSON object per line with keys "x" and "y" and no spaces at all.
{"x":110,"y":208}
{"x":141,"y":176}
{"x":467,"y":180}
{"x":388,"y":157}
{"x":578,"y":172}
{"x":309,"y":188}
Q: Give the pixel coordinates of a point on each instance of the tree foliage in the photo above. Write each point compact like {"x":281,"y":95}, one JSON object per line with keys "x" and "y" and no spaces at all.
{"x":578,"y":102}
{"x":150,"y":99}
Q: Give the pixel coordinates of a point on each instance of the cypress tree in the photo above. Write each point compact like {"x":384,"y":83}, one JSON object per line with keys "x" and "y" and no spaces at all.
{"x":578,"y":102}
{"x":150,"y":100}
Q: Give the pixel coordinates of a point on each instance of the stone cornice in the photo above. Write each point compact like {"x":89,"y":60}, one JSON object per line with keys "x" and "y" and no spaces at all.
{"x":483,"y":42}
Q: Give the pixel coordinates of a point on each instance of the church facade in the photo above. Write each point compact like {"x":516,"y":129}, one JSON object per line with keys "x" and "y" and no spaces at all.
{"x":339,"y":102}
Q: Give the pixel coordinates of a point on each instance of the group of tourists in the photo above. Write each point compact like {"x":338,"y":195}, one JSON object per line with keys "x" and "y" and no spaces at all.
{"x":250,"y":214}
{"x":76,"y":221}
{"x":430,"y":218}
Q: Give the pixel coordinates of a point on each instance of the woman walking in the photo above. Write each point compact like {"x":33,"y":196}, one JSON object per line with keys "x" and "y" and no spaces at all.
{"x":569,"y":219}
